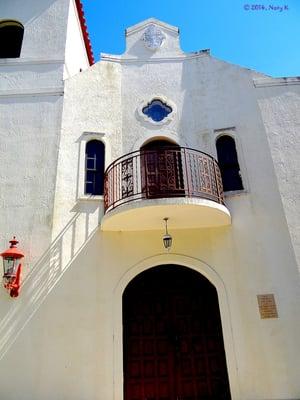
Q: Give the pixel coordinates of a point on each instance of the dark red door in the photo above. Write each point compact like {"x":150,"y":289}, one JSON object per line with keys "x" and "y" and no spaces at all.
{"x":173,"y":344}
{"x":161,"y":170}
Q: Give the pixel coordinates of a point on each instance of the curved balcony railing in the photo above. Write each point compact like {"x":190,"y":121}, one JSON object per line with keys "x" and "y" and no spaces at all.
{"x":161,"y":173}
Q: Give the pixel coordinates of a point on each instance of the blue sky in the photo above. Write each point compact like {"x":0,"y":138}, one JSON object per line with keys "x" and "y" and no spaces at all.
{"x":261,"y":35}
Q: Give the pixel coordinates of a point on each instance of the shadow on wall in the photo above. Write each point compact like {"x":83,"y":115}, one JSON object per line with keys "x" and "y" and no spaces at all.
{"x":23,"y":10}
{"x":44,"y":276}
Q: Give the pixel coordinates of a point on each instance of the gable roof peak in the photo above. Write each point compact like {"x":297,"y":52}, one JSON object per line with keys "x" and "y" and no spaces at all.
{"x":151,"y":21}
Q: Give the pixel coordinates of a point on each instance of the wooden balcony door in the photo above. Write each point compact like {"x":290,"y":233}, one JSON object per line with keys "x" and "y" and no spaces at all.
{"x":173,"y":344}
{"x":161,"y":169}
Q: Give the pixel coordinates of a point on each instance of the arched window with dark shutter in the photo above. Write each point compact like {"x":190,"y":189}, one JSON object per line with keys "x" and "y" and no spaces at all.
{"x":228,"y":162}
{"x":94,"y":167}
{"x":11,"y":37}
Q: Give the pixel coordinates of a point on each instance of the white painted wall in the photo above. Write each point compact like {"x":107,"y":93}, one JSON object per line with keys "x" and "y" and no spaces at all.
{"x":71,"y":334}
{"x":65,"y":331}
{"x":75,"y":54}
{"x":279,"y":101}
{"x":30,"y":128}
{"x":92,"y":111}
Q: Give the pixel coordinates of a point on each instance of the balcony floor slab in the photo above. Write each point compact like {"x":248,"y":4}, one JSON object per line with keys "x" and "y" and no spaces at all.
{"x":183,"y":213}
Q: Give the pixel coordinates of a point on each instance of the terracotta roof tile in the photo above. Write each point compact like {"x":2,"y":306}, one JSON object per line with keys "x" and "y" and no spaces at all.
{"x":85,"y":33}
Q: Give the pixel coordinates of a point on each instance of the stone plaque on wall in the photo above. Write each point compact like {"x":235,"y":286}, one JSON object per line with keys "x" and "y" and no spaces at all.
{"x":267,"y":306}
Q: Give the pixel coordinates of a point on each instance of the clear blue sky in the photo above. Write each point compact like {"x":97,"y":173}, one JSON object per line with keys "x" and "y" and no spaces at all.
{"x":266,"y":40}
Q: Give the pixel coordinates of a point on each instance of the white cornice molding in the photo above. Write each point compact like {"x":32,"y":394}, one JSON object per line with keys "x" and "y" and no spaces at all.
{"x":88,"y":134}
{"x":265,"y":82}
{"x":56,"y":91}
{"x":29,"y":61}
{"x":152,"y":60}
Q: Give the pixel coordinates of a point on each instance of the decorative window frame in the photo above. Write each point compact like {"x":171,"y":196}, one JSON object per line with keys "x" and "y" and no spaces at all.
{"x":231,"y":132}
{"x":143,"y":117}
{"x":84,"y":139}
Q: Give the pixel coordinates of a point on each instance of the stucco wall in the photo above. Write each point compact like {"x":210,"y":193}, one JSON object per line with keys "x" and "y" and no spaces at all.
{"x":280,"y":105}
{"x":29,"y":142}
{"x":92,"y":110}
{"x":73,"y":344}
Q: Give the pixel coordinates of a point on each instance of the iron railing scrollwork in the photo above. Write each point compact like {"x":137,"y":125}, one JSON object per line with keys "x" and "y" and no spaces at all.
{"x":161,"y":173}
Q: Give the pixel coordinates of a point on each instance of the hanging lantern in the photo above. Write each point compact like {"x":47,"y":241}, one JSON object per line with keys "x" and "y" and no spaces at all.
{"x":167,"y":238}
{"x":12,"y":268}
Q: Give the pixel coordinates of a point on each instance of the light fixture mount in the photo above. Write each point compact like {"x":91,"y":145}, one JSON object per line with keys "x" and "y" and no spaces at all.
{"x":167,"y":238}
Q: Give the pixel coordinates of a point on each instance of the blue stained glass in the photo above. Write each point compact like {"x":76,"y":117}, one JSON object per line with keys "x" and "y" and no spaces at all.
{"x":157,"y":110}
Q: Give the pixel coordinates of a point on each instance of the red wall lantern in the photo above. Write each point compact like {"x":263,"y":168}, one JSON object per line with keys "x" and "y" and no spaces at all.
{"x":12,"y":268}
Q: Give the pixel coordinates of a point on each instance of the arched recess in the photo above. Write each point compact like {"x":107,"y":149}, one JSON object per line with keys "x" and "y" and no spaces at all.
{"x":11,"y":38}
{"x":196,"y":265}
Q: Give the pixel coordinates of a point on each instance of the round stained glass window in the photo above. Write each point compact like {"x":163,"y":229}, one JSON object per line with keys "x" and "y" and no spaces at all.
{"x":157,"y":110}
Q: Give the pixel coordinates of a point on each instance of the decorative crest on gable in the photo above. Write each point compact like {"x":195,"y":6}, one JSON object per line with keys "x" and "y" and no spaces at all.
{"x":153,"y":37}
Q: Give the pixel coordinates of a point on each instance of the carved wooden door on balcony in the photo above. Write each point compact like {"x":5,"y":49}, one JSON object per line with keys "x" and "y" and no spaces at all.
{"x":173,"y":344}
{"x":161,"y":169}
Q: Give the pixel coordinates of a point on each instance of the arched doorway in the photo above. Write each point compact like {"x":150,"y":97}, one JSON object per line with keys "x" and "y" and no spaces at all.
{"x":172,"y":337}
{"x":162,"y":173}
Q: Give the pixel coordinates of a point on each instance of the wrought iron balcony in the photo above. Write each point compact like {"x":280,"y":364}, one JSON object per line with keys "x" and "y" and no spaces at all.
{"x":174,"y":175}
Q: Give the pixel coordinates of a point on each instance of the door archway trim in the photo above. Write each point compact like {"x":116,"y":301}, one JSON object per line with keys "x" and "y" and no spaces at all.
{"x":204,"y":269}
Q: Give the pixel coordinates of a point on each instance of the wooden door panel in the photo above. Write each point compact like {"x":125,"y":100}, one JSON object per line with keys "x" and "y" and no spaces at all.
{"x":162,"y":173}
{"x":173,"y":345}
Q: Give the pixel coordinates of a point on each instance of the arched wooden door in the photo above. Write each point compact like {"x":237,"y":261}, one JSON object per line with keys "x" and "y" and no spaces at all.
{"x":172,"y":337}
{"x":161,"y":169}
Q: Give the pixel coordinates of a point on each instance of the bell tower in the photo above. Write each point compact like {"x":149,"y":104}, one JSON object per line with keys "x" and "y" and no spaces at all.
{"x":45,"y":26}
{"x":51,"y":30}
{"x":46,"y":42}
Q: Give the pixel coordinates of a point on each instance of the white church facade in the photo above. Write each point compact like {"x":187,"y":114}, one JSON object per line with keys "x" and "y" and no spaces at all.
{"x":155,"y":197}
